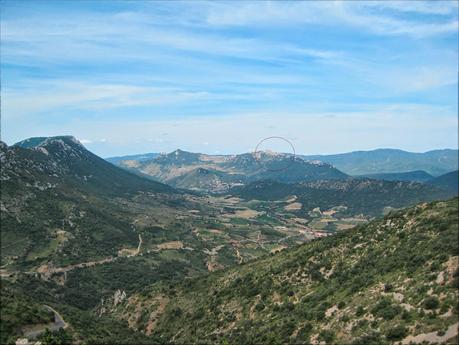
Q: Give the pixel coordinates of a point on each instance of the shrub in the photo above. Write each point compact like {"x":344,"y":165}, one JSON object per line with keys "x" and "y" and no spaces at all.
{"x":388,"y":287}
{"x":396,"y":333}
{"x":386,"y":309}
{"x":345,"y":318}
{"x":327,"y":335}
{"x":372,"y":338}
{"x":289,"y":306}
{"x":177,"y":312}
{"x":406,"y":315}
{"x":319,"y":315}
{"x":360,"y":311}
{"x":431,"y":303}
{"x":260,"y":306}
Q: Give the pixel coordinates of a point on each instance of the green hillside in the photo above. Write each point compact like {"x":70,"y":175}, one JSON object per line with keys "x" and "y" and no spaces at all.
{"x":202,"y":179}
{"x":415,"y":176}
{"x":449,"y":182}
{"x":61,"y":204}
{"x":115,"y":253}
{"x":391,"y":280}
{"x":356,"y":196}
{"x":75,"y":230}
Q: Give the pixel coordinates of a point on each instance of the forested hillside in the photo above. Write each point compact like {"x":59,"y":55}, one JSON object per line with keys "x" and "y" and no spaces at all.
{"x":394,"y":279}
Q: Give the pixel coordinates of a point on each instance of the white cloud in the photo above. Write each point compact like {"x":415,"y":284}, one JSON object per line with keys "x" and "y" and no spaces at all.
{"x":437,"y":7}
{"x":361,"y":14}
{"x":201,"y":59}
{"x":63,"y":95}
{"x":95,"y":39}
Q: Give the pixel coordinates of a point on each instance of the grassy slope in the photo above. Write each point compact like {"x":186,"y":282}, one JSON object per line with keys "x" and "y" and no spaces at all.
{"x":364,"y":272}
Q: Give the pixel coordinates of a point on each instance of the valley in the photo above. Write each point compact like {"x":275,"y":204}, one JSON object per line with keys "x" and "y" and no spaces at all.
{"x":380,"y":283}
{"x":229,"y":172}
{"x":85,"y":237}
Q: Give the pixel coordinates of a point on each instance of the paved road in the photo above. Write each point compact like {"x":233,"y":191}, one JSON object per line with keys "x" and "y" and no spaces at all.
{"x":55,"y":326}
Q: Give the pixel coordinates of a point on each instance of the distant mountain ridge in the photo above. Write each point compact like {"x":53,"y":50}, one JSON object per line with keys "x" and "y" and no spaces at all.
{"x":385,"y":164}
{"x":229,"y":170}
{"x":435,"y":162}
{"x":137,"y":157}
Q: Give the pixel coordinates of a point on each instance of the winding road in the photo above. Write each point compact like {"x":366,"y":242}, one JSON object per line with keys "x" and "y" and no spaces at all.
{"x":37,"y":330}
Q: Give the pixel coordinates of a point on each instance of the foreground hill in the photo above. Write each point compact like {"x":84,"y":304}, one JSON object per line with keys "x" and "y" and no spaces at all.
{"x":392,"y":280}
{"x":379,"y":161}
{"x":210,"y":173}
{"x":354,"y":196}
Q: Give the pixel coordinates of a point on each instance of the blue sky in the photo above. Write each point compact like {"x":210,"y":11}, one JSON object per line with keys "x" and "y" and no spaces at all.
{"x":217,"y":77}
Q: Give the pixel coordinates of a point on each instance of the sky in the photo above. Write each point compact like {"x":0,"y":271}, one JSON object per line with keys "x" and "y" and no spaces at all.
{"x":129,"y":77}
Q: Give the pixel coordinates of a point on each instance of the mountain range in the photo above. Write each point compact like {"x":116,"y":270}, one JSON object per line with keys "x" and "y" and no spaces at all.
{"x":380,"y":161}
{"x":208,"y":173}
{"x":195,"y":171}
{"x":125,"y":258}
{"x":435,"y":162}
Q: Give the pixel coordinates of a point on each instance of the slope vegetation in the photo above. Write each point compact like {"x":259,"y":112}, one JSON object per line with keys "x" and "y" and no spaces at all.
{"x":392,"y":280}
{"x":365,"y":196}
{"x":61,"y":202}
